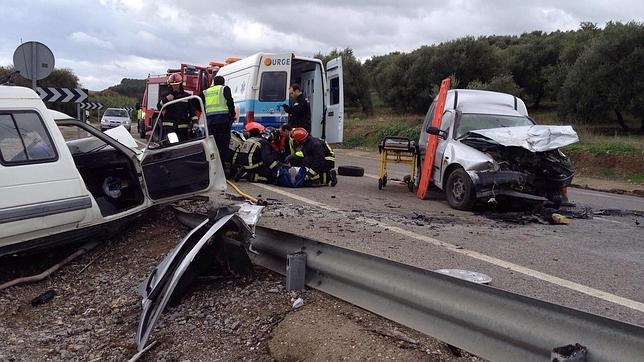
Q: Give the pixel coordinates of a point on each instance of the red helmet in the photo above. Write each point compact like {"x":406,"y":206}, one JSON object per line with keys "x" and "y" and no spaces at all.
{"x":250,"y":126}
{"x":299,"y":135}
{"x":175,"y":79}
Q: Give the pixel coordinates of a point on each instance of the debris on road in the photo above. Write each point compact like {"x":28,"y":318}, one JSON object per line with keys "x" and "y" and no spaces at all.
{"x":470,"y":276}
{"x":298,"y":303}
{"x":217,"y":245}
{"x":560,"y":219}
{"x":43,"y":298}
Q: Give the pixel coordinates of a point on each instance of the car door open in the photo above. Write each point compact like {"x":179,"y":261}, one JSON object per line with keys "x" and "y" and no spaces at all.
{"x":334,"y":118}
{"x":175,"y":168}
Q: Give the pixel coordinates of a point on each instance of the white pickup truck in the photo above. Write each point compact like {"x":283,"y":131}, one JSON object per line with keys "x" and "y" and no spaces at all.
{"x":58,"y":187}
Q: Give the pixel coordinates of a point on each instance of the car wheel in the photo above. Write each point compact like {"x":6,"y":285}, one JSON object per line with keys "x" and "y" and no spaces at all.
{"x":460,"y":190}
{"x":354,"y":171}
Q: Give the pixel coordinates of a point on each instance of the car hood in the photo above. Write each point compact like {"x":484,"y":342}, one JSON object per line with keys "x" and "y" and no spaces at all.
{"x":123,"y":137}
{"x":533,"y":138}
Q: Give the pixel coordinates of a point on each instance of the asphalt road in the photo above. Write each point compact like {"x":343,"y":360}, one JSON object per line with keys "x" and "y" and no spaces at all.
{"x":593,"y":265}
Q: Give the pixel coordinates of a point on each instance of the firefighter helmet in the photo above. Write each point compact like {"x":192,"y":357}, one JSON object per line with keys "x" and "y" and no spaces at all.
{"x":175,"y":79}
{"x":254,"y":126}
{"x":299,"y":135}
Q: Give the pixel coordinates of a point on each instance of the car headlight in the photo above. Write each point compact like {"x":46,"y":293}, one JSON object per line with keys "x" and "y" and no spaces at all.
{"x":103,"y":121}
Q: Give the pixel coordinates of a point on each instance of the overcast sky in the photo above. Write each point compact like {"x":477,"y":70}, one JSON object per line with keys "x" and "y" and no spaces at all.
{"x":107,"y":40}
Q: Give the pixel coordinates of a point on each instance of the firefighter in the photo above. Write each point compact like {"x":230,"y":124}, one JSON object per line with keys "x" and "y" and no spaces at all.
{"x":317,"y":157}
{"x":220,"y":112}
{"x":299,"y":112}
{"x":255,"y":159}
{"x":180,"y":118}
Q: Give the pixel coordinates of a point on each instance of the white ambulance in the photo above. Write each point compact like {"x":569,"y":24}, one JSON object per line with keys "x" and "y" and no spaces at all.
{"x":260,"y":82}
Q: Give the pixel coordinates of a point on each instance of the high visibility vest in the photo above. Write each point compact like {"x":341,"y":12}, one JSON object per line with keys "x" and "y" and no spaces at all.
{"x":215,"y":100}
{"x":139,"y":114}
{"x":291,"y":148}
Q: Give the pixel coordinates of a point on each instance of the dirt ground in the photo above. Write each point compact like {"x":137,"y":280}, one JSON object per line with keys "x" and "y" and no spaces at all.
{"x":94,"y":315}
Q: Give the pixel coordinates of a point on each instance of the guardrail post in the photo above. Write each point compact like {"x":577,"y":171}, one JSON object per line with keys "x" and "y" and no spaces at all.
{"x":295,"y":271}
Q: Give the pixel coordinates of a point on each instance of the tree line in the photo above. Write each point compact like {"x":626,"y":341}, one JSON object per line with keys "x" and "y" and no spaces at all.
{"x":591,"y":74}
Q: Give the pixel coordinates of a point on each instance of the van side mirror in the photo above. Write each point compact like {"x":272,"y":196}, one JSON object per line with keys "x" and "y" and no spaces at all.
{"x":437,"y":132}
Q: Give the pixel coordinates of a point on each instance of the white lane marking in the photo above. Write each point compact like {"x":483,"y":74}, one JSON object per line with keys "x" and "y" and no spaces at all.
{"x":371,"y":176}
{"x":608,"y":220}
{"x":600,"y":194}
{"x":629,"y":303}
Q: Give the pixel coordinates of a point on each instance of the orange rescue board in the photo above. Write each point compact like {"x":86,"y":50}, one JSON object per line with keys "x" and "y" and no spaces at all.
{"x":432,"y":141}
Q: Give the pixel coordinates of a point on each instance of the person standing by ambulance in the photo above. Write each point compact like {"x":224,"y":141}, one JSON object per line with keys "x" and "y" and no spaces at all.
{"x":220,"y":112}
{"x":299,"y":112}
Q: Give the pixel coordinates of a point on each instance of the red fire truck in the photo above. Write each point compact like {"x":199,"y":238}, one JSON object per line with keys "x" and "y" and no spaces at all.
{"x":195,"y":80}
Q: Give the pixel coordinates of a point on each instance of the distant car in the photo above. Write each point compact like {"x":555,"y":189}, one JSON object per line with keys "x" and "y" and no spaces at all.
{"x":490,"y":149}
{"x":114,"y":117}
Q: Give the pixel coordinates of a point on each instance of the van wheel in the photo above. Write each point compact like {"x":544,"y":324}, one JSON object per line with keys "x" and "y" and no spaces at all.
{"x":460,"y":190}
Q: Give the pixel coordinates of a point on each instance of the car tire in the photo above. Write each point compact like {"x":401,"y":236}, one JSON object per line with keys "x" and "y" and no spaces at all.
{"x":353,"y":171}
{"x":460,"y":190}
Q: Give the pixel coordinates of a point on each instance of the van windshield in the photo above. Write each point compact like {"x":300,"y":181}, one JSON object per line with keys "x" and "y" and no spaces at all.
{"x":471,"y":122}
{"x":116,"y":113}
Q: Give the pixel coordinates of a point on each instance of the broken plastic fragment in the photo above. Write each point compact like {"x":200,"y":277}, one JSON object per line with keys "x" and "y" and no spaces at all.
{"x":298,"y":303}
{"x":560,"y":219}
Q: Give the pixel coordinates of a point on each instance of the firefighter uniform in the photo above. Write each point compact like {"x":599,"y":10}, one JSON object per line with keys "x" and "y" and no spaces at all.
{"x":299,"y":113}
{"x":178,"y":117}
{"x":319,"y":159}
{"x":220,"y":112}
{"x":256,"y":160}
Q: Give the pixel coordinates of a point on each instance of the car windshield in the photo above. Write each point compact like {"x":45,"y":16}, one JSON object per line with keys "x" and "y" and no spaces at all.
{"x":116,"y":113}
{"x":471,"y":122}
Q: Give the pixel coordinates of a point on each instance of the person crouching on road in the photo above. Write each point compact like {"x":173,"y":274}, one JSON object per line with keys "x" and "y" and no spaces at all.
{"x":317,"y":157}
{"x":255,"y":159}
{"x":180,"y":118}
{"x":220,"y":112}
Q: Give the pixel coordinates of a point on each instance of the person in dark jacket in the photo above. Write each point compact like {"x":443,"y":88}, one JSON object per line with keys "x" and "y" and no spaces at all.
{"x":220,"y":112}
{"x":318,"y":157}
{"x":299,"y":112}
{"x":180,"y":118}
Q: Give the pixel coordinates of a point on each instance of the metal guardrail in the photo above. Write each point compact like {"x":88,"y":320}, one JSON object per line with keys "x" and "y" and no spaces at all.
{"x":489,"y":322}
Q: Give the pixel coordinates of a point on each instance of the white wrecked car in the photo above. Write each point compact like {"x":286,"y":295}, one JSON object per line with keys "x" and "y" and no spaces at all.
{"x":490,"y":149}
{"x":62,"y":180}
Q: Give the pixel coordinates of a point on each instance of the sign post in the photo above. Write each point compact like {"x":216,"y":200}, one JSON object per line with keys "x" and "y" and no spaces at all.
{"x":34,"y":60}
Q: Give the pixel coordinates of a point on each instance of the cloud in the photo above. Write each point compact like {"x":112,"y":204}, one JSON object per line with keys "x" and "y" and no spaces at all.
{"x":85,"y":39}
{"x":108,"y":40}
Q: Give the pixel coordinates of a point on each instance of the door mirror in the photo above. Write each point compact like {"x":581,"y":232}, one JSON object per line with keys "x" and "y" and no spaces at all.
{"x":437,"y":132}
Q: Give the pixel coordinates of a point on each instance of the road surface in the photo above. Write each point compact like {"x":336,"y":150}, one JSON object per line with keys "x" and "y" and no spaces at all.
{"x":593,"y":265}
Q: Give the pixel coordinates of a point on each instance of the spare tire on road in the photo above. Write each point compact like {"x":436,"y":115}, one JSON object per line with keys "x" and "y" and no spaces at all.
{"x":354,"y":171}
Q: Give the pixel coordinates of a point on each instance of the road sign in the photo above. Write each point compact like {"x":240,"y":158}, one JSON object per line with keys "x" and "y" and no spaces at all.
{"x":91,"y":105}
{"x":34,"y":60}
{"x":65,"y":95}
